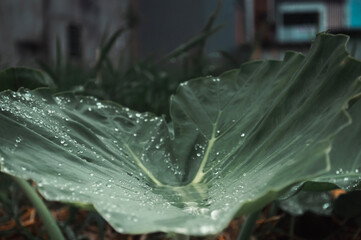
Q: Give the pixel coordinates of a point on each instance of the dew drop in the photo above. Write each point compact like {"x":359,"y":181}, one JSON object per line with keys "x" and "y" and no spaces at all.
{"x":326,"y":206}
{"x":215,"y":214}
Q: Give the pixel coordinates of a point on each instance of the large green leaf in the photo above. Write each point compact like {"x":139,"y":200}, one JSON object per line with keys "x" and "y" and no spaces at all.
{"x":345,"y":157}
{"x":234,"y":144}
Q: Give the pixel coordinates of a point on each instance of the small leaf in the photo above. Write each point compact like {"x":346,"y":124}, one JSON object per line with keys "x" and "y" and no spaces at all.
{"x":317,"y":202}
{"x":234,"y":144}
{"x":320,"y":203}
{"x":16,"y":77}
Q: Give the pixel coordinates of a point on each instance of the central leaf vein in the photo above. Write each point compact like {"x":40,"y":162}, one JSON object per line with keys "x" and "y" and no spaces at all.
{"x":200,"y":173}
{"x":140,"y":164}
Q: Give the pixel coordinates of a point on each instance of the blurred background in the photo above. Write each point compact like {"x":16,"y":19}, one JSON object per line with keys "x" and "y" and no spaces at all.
{"x":136,"y":52}
{"x":29,"y":28}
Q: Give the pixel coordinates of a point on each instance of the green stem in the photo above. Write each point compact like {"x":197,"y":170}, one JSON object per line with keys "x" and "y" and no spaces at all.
{"x":292,"y":227}
{"x":46,"y":217}
{"x":248,"y":226}
{"x":273,"y":210}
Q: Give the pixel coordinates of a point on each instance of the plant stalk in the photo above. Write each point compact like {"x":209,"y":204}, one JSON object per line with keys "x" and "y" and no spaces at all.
{"x":46,"y":217}
{"x":248,"y":226}
{"x":292,"y":227}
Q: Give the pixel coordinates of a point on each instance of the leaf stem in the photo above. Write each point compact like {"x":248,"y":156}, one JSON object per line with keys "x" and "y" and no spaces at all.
{"x":46,"y":217}
{"x":248,"y":226}
{"x":292,"y":227}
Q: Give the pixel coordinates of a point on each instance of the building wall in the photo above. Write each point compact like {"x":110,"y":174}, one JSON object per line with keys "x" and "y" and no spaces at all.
{"x":94,"y":19}
{"x":20,"y":21}
{"x":335,"y":15}
{"x":165,"y":24}
{"x":39,"y":23}
{"x":353,"y":10}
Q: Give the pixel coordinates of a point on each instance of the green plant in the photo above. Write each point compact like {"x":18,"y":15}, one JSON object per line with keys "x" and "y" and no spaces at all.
{"x":152,"y":80}
{"x":344,"y":172}
{"x":16,"y":77}
{"x":345,"y":156}
{"x":235,"y":142}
